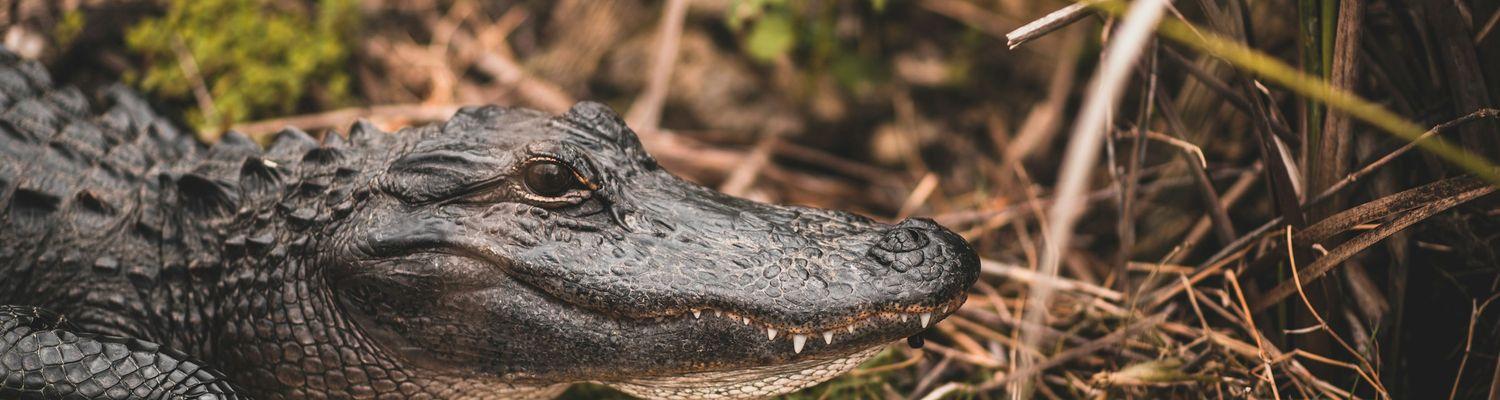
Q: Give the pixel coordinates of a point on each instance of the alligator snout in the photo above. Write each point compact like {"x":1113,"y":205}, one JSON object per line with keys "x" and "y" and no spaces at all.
{"x":910,"y":235}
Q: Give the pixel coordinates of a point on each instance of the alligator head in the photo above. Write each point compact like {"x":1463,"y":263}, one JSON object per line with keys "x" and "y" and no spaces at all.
{"x":543,"y":250}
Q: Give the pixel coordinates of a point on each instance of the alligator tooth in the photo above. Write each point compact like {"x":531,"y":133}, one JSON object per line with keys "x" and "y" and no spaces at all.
{"x":797,"y":342}
{"x":850,"y":328}
{"x":697,"y":313}
{"x":718,"y":313}
{"x":903,"y":317}
{"x":747,"y":320}
{"x":770,"y":333}
{"x":828,"y":337}
{"x":926,"y":317}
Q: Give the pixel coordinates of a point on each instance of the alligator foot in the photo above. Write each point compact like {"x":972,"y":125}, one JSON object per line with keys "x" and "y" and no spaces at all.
{"x":44,"y":357}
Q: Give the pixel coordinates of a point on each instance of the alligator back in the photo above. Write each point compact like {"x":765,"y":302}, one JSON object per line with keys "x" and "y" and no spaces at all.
{"x":80,"y":212}
{"x":113,"y":218}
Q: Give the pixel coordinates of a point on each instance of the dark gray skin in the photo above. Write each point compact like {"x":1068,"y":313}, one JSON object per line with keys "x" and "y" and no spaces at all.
{"x":505,"y":253}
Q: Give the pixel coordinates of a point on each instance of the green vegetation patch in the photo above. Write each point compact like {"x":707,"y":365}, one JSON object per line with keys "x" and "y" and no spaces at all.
{"x":253,"y":58}
{"x":805,"y":34}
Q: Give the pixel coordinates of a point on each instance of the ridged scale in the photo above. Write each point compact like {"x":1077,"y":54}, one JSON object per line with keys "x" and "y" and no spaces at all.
{"x":134,"y":229}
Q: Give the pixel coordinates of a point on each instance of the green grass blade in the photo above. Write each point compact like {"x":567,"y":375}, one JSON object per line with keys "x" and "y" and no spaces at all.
{"x":1312,"y":87}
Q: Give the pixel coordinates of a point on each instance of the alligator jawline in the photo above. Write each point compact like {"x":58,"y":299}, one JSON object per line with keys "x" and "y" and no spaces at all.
{"x":870,"y":322}
{"x":865,"y":320}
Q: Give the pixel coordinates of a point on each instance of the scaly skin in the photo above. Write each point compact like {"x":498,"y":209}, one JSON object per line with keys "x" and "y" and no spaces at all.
{"x":505,"y":253}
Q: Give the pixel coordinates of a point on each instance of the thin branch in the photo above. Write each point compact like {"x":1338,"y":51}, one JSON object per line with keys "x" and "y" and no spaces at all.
{"x":1249,"y":322}
{"x":1488,"y":26}
{"x":1083,"y":149}
{"x":1368,"y":371}
{"x":507,"y":72}
{"x":189,"y":66}
{"x":1235,"y":98}
{"x":1382,"y":161}
{"x":1034,"y":279}
{"x":645,"y":113}
{"x":1245,"y":240}
{"x":1131,"y":179}
{"x":1076,"y":352}
{"x":1470,"y":188}
{"x":918,"y":196}
{"x":971,"y":14}
{"x":1231,"y":196}
{"x":1051,"y":22}
{"x":1474,"y":315}
{"x":408,"y":113}
{"x":744,"y":175}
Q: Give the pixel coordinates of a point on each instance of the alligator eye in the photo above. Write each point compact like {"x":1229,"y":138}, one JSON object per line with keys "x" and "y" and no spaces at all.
{"x":550,"y":178}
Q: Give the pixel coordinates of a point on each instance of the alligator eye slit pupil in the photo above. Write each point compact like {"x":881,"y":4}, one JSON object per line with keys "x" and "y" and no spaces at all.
{"x":550,"y":178}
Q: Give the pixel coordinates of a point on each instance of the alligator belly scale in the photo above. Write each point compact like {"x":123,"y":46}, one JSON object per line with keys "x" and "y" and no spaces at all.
{"x":503,"y":254}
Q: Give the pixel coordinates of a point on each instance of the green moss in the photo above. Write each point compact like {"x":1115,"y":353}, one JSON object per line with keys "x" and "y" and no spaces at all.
{"x":256,"y":60}
{"x":772,"y":37}
{"x":68,"y":28}
{"x":805,"y":33}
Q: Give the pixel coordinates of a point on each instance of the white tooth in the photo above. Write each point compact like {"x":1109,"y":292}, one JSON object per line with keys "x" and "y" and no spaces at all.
{"x":770,"y":333}
{"x":926,"y":317}
{"x":850,"y":328}
{"x":747,"y":320}
{"x":828,"y":337}
{"x":797,"y":342}
{"x":718,"y":313}
{"x":697,"y":313}
{"x":903,"y":317}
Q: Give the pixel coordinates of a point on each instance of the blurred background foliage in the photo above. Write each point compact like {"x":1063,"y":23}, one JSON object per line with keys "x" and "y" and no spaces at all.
{"x":257,"y":59}
{"x":919,"y":108}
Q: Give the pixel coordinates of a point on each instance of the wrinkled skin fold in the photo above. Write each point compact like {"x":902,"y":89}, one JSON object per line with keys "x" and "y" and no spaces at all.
{"x":504,"y":253}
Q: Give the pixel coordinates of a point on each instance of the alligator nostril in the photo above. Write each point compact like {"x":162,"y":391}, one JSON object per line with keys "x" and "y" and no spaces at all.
{"x":901,"y":240}
{"x":919,"y":223}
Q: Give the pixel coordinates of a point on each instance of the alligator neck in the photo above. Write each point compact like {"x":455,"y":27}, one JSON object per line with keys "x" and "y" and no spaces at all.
{"x":249,"y":272}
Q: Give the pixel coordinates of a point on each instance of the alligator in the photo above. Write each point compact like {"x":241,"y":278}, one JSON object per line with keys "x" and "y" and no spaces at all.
{"x":505,"y":253}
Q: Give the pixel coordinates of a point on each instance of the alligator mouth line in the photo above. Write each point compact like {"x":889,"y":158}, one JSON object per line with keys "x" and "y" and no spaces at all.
{"x":853,"y":325}
{"x":873,"y":320}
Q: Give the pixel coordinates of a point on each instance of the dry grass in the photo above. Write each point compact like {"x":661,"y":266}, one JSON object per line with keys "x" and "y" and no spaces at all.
{"x":1269,"y":218}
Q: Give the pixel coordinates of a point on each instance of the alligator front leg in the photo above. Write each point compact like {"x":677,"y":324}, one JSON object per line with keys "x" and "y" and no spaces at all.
{"x":43,"y":357}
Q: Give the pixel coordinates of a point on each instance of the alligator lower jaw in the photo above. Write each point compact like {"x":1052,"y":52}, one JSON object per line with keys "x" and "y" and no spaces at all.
{"x":752,"y":383}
